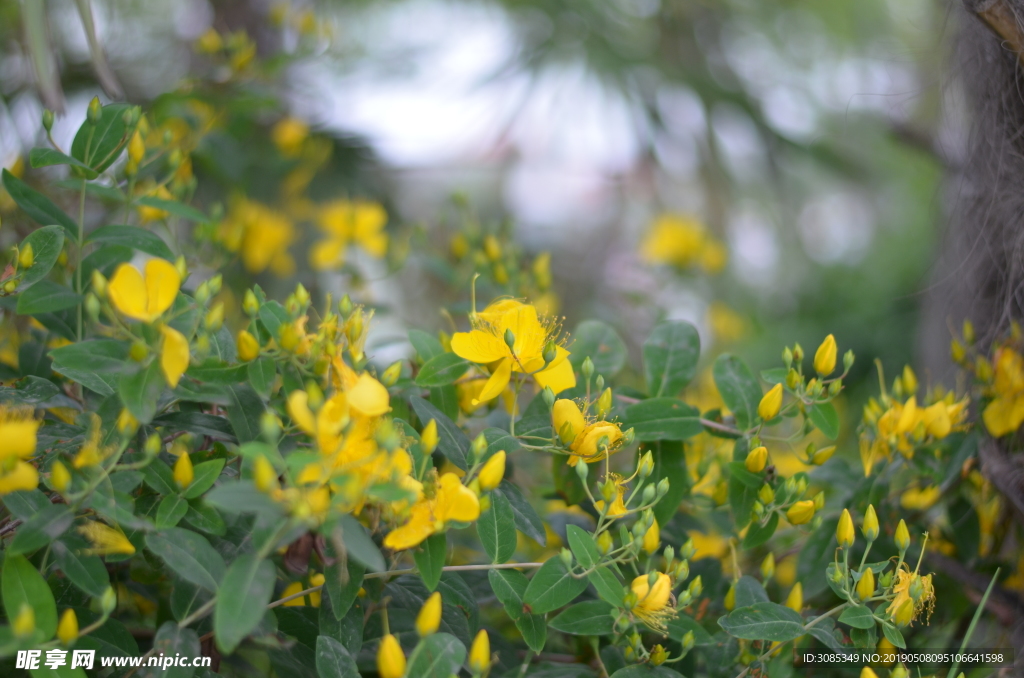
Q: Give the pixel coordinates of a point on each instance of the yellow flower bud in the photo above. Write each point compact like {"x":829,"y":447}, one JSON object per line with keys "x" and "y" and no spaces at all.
{"x":823,"y":455}
{"x":428,"y":439}
{"x":604,"y":403}
{"x":492,"y":472}
{"x":801,"y":512}
{"x":795,"y":600}
{"x":658,"y":655}
{"x":652,"y":538}
{"x":870,"y":526}
{"x":766,"y":494}
{"x":264,"y":475}
{"x":136,"y":148}
{"x":480,"y":653}
{"x":756,"y":459}
{"x":215,"y":317}
{"x":825,"y":357}
{"x":60,"y":478}
{"x":866,"y":585}
{"x":604,"y":542}
{"x":905,"y":614}
{"x":67,"y":629}
{"x":866,"y":672}
{"x":26,"y":257}
{"x":390,"y":659}
{"x":183,"y":472}
{"x":730,"y":597}
{"x":25,"y":622}
{"x":771,"y":403}
{"x":248,"y":346}
{"x":429,"y":617}
{"x":909,"y":380}
{"x":902,"y":536}
{"x":127,"y":424}
{"x":768,"y":567}
{"x":844,"y":530}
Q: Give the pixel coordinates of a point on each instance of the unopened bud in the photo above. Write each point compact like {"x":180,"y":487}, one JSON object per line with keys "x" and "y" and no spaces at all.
{"x":787,"y":356}
{"x":902,"y":536}
{"x":26,"y":257}
{"x":587,"y":368}
{"x":510,"y":339}
{"x":604,"y":403}
{"x":270,"y":425}
{"x":663,"y":487}
{"x":682,"y":571}
{"x":792,"y":378}
{"x":550,"y":353}
{"x":582,"y":471}
{"x":203,"y":293}
{"x":250,"y":304}
{"x":108,"y":601}
{"x":479,"y":446}
{"x":153,"y":445}
{"x":94,"y":112}
{"x":392,"y":373}
{"x":301,"y":295}
{"x":766,"y":494}
{"x":345,"y":306}
{"x":646,"y":465}
{"x":798,"y":353}
{"x":92,"y":306}
{"x":181,"y":266}
{"x":688,"y":641}
{"x":138,"y":351}
{"x":215,"y":317}
{"x":605,"y":543}
{"x":566,"y":556}
{"x":47,"y":119}
{"x":848,"y":360}
{"x":696,"y":587}
{"x":688,"y":550}
{"x":648,"y":495}
{"x":549,"y":396}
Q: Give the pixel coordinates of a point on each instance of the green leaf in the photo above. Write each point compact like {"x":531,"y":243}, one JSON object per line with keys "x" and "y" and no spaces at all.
{"x":738,"y":387}
{"x":333,"y":660}
{"x":199,"y":423}
{"x":96,"y":363}
{"x":242,"y":600}
{"x":242,"y":497}
{"x":47,"y":157}
{"x":206,"y":475}
{"x":527,"y":520}
{"x":497,"y":529}
{"x":859,"y":617}
{"x":509,"y":587}
{"x":427,"y":345}
{"x":159,"y":477}
{"x":451,"y":441}
{"x":589,"y":618}
{"x":46,"y":296}
{"x":205,"y":518}
{"x":552,"y":587}
{"x":25,"y":503}
{"x":608,"y":586}
{"x":894,"y":636}
{"x":342,"y":595}
{"x":441,"y":370}
{"x":47,"y":243}
{"x":140,"y":392}
{"x":22,"y":584}
{"x":41,"y":529}
{"x":174,"y":207}
{"x":86,"y":572}
{"x":170,"y":511}
{"x":188,"y":555}
{"x":31,"y":390}
{"x":216,"y":371}
{"x":749,"y":592}
{"x":763,"y":621}
{"x":429,"y":557}
{"x":669,"y":462}
{"x":582,"y":545}
{"x":261,"y":375}
{"x":759,"y":534}
{"x":602,"y":344}
{"x":360,"y":546}
{"x":646,"y":671}
{"x":437,"y":656}
{"x":683,"y":624}
{"x":38,"y":206}
{"x":825,"y":419}
{"x":134,"y":237}
{"x":244,"y":412}
{"x":99,"y":145}
{"x":663,"y":419}
{"x":172,"y":640}
{"x":670,"y":357}
{"x":64,"y":671}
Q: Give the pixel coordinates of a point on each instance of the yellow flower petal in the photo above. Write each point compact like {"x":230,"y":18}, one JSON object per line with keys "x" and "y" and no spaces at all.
{"x":18,"y":437}
{"x":566,"y":411}
{"x":479,"y":346}
{"x":127,"y":292}
{"x":23,"y":476}
{"x":497,"y":382}
{"x":455,"y":501}
{"x":298,"y":410}
{"x":174,"y":355}
{"x":558,"y":375}
{"x":162,"y":283}
{"x":368,"y":397}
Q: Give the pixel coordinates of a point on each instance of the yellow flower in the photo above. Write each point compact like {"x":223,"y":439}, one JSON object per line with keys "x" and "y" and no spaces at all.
{"x":368,"y":397}
{"x":771,"y":403}
{"x":260,"y":234}
{"x":67,"y":629}
{"x":247,"y":345}
{"x":144,"y":298}
{"x":795,"y":600}
{"x":485,"y":344}
{"x":60,"y":478}
{"x":653,"y":605}
{"x":147,"y":213}
{"x":452,"y":501}
{"x":492,"y":472}
{"x":480,"y":653}
{"x":264,"y":475}
{"x":584,"y":439}
{"x":866,"y":585}
{"x":429,"y":617}
{"x":920,"y":499}
{"x":1006,"y":411}
{"x":428,"y":438}
{"x":756,"y":459}
{"x":174,"y":355}
{"x":17,"y":433}
{"x":870,"y":527}
{"x":652,"y":538}
{"x":844,"y":530}
{"x":345,"y":221}
{"x":183,"y":471}
{"x":136,"y":148}
{"x":390,"y":659}
{"x":17,"y":475}
{"x":867,"y":672}
{"x":800,"y":512}
{"x":618,"y":507}
{"x":682,"y":241}
{"x":288,"y":135}
{"x":903,"y":606}
{"x":105,"y":540}
{"x":825,"y":357}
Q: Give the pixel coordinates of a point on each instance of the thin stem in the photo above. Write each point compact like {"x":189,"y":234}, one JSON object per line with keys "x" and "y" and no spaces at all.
{"x":974,"y":622}
{"x":78,"y":255}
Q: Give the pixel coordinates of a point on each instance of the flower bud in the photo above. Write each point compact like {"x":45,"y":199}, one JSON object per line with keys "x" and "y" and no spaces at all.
{"x":390,"y":659}
{"x":658,"y":655}
{"x":768,"y":567}
{"x":550,"y":353}
{"x":26,"y":257}
{"x":479,"y":446}
{"x":549,"y":396}
{"x":844,"y":530}
{"x":181,"y":266}
{"x":798,"y":353}
{"x":757,"y":458}
{"x":60,"y":477}
{"x":582,"y":471}
{"x":885,"y":580}
{"x":566,"y":556}
{"x":67,"y":629}
{"x":480,"y":653}
{"x":696,"y":587}
{"x":429,"y":618}
{"x":787,"y":356}
{"x":138,"y":351}
{"x":688,"y":641}
{"x":792,"y":378}
{"x":587,"y":368}
{"x":215,"y":317}
{"x":688,"y":550}
{"x":301,"y":294}
{"x":627,"y":436}
{"x":758,"y":510}
{"x":607,"y":489}
{"x":493,"y":471}
{"x":823,"y":455}
{"x":94,"y":111}
{"x":870,"y":526}
{"x":648,"y":495}
{"x":247,"y":346}
{"x":47,"y":119}
{"x":108,"y":601}
{"x":605,"y":543}
{"x":92,"y":306}
{"x":604,"y":403}
{"x":24,"y":623}
{"x":682,"y":569}
{"x":392,"y":373}
{"x":819,"y":501}
{"x":663,"y":487}
{"x":795,"y":599}
{"x":428,"y":438}
{"x":645,"y":467}
{"x":183,"y":471}
{"x":250,"y":304}
{"x":510,"y":339}
{"x":599,"y":382}
{"x":800,"y":512}
{"x":770,"y":403}
{"x":270,"y":426}
{"x":825,"y":357}
{"x":766,"y":494}
{"x":866,"y":585}
{"x":905,"y":614}
{"x":730,"y":598}
{"x":902,"y":536}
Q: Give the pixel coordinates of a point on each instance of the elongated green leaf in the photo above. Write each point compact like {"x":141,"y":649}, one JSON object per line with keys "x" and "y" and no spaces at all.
{"x":509,"y":587}
{"x":663,"y":419}
{"x":188,"y":555}
{"x":85,"y":571}
{"x":527,"y":520}
{"x":738,"y":387}
{"x":38,"y":206}
{"x":244,"y":412}
{"x":749,"y":592}
{"x":343,"y":593}
{"x":670,"y":357}
{"x":172,"y":640}
{"x":333,"y":659}
{"x":441,"y":370}
{"x":582,"y":545}
{"x":589,"y":618}
{"x":683,"y":624}
{"x":429,"y":557}
{"x":42,"y":528}
{"x":99,"y":145}
{"x":47,"y":157}
{"x":47,"y":243}
{"x":497,"y":529}
{"x":826,"y":419}
{"x":200,"y":423}
{"x":46,"y":296}
{"x":241,"y":601}
{"x":763,"y":621}
{"x":858,"y":616}
{"x":140,"y":391}
{"x":174,"y":207}
{"x":242,"y":497}
{"x":261,"y":375}
{"x":135,"y":237}
{"x":602,"y":344}
{"x":437,"y":656}
{"x":452,"y":442}
{"x":427,"y":346}
{"x":360,"y":546}
{"x":552,"y":587}
{"x":206,"y":474}
{"x":22,"y":585}
{"x":171,"y":510}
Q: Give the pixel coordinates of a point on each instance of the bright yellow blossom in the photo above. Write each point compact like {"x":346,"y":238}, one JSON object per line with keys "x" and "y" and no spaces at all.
{"x":1005,"y":413}
{"x":825,"y":357}
{"x":654,"y":603}
{"x":903,"y":601}
{"x":344,"y":222}
{"x":584,"y":439}
{"x":682,"y":241}
{"x":480,"y":653}
{"x":174,"y":354}
{"x":146,"y":297}
{"x":247,"y":346}
{"x":17,"y":433}
{"x":390,"y":659}
{"x":17,"y":475}
{"x":67,"y":629}
{"x":493,"y":471}
{"x":920,"y":499}
{"x":452,"y":501}
{"x":771,"y":403}
{"x":288,"y":135}
{"x":485,"y":344}
{"x":429,"y":617}
{"x":618,"y":506}
{"x":261,"y":236}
